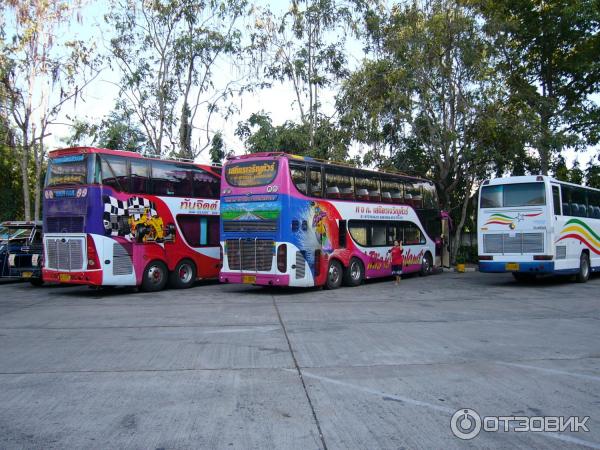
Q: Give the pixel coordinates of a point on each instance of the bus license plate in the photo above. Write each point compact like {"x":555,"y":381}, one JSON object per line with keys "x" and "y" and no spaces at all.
{"x":64,"y":277}
{"x":27,"y":274}
{"x":249,"y":279}
{"x":512,"y":266}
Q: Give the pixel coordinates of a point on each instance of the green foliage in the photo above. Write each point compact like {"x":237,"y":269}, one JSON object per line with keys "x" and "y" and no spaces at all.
{"x":260,"y":135}
{"x":549,"y":57}
{"x":592,"y":173}
{"x":168,"y":51}
{"x":117,"y":131}
{"x":217,"y":149}
{"x":430,"y":103}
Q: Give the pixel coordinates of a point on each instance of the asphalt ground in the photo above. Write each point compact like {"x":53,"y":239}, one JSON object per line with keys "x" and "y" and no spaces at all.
{"x":233,"y":366}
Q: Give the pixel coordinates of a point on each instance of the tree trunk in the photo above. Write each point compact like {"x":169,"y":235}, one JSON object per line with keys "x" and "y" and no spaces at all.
{"x":544,"y":146}
{"x":24,"y":163}
{"x":456,"y":241}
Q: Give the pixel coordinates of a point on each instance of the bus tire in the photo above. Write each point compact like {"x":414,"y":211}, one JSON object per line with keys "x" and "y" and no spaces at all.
{"x":334,"y":275}
{"x":355,"y":273}
{"x":155,"y":276}
{"x":184,"y":275}
{"x":36,"y":282}
{"x":584,"y":268}
{"x":426,"y":265}
{"x":523,"y":277}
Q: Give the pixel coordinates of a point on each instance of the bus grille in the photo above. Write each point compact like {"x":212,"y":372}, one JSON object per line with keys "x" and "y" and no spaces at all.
{"x":300,"y":266}
{"x":519,"y":243}
{"x":64,"y":253}
{"x":249,"y":225}
{"x":64,"y":224}
{"x":121,"y":260}
{"x":250,"y":254}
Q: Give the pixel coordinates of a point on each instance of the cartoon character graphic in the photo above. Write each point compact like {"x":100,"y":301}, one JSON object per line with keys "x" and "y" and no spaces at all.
{"x":319,"y":225}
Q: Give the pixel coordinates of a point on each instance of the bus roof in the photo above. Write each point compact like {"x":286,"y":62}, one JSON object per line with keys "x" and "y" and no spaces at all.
{"x":324,"y":162}
{"x":530,"y":179}
{"x":106,"y":151}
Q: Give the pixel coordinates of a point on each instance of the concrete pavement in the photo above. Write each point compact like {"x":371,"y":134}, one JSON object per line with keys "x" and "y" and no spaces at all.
{"x":229,"y":366}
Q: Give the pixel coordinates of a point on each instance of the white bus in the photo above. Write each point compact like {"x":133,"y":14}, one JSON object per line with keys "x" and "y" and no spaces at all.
{"x":535,"y":225}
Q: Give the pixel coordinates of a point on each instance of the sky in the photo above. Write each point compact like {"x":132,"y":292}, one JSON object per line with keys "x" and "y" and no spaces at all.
{"x":99,"y":97}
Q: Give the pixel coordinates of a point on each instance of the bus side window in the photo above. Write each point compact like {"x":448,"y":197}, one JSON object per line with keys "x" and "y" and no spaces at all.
{"x":412,"y":234}
{"x":556,"y":200}
{"x":171,"y":179}
{"x":204,"y":184}
{"x":316,"y":186}
{"x":139,"y":177}
{"x":199,"y":231}
{"x":298,"y":173}
{"x":114,"y":172}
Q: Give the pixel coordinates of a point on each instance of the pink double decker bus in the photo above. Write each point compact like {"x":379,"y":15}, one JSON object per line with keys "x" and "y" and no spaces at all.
{"x":119,"y":218}
{"x":296,"y":221}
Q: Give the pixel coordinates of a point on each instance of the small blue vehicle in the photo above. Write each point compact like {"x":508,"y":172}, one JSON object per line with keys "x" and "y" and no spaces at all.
{"x":21,"y":251}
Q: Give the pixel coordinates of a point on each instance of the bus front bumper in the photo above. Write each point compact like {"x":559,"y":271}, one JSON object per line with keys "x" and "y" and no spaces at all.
{"x":88,"y":277}
{"x":254,"y":278}
{"x":522,"y":267}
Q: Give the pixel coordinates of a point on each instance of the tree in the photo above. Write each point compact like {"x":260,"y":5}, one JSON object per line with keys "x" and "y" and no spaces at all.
{"x":428,"y":102}
{"x":305,"y":47}
{"x":168,"y":52}
{"x":592,"y":173}
{"x":117,"y":131}
{"x":39,"y":73}
{"x":549,"y":55}
{"x":260,"y":135}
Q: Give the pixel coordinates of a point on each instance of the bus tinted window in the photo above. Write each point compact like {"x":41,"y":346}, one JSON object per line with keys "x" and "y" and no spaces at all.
{"x":251,"y":173}
{"x":429,"y":196}
{"x":316,"y":185}
{"x":367,"y":187}
{"x":67,"y":170}
{"x":383,"y":234}
{"x":413,"y":195}
{"x":298,"y":173}
{"x":358,"y":231}
{"x":170,"y":179}
{"x":114,"y":172}
{"x":491,"y":196}
{"x":524,"y":194}
{"x":513,"y":195}
{"x":140,"y":176}
{"x":412,"y":235}
{"x":556,"y":200}
{"x":392,"y":191}
{"x":339,"y":183}
{"x":204,"y":184}
{"x":199,"y":231}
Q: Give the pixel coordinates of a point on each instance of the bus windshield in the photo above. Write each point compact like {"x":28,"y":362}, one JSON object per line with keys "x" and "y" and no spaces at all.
{"x":67,"y":170}
{"x":251,"y":173}
{"x":513,"y":195}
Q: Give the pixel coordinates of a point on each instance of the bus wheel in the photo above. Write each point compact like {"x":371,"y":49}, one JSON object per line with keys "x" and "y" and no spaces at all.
{"x":584,"y":268}
{"x":36,"y":281}
{"x":155,"y":276}
{"x":426,"y":265}
{"x":334,"y":275}
{"x":184,"y":275}
{"x":523,"y":277}
{"x":355,"y":273}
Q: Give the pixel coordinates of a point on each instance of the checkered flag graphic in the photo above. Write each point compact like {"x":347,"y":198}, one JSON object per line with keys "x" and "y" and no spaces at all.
{"x":137,"y":206}
{"x":115,"y":213}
